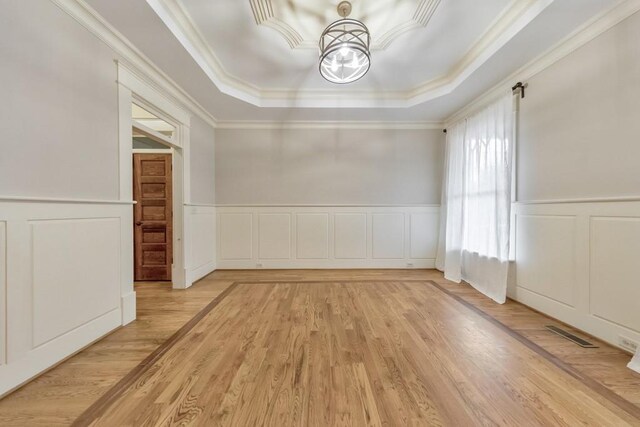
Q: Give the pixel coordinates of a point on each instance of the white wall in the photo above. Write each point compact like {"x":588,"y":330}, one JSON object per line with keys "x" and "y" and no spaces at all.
{"x":579,"y":128}
{"x":320,"y":166}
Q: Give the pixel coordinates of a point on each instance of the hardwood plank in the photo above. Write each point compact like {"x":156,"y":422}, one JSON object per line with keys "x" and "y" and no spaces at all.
{"x":454,"y":364}
{"x":62,"y":394}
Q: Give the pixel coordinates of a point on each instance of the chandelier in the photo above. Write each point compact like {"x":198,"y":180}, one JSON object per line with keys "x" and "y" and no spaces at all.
{"x":344,"y":48}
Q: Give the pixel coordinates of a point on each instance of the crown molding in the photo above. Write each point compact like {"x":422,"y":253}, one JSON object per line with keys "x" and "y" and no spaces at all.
{"x":420,"y":19}
{"x":268,"y":125}
{"x":173,"y":13}
{"x":504,"y":28}
{"x":131,"y":56}
{"x":578,"y":38}
{"x":263,"y":13}
{"x":175,"y":17}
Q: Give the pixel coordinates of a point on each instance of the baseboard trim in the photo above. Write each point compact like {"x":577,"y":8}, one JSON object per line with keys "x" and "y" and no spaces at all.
{"x":333,"y":264}
{"x":128,"y":304}
{"x":15,"y":374}
{"x":199,"y":272}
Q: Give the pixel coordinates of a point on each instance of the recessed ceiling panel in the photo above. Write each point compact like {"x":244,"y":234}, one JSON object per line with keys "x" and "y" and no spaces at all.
{"x":265,"y":51}
{"x":300,"y":22}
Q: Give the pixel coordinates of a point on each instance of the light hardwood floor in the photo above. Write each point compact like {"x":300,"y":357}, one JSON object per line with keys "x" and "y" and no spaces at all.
{"x":360,"y":347}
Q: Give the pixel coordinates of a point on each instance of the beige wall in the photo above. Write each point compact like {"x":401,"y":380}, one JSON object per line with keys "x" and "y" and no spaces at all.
{"x":58,"y":114}
{"x":580,"y":122}
{"x":59,"y":111}
{"x":316,"y":166}
{"x":202,"y":137}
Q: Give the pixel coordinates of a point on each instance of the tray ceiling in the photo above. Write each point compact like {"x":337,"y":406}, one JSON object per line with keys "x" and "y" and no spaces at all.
{"x":264,"y":52}
{"x":239,"y":67}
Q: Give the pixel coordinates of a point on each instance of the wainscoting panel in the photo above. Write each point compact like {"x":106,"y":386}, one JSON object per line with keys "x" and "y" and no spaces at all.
{"x":545,"y":269}
{"x":423,"y":242}
{"x":312,"y":236}
{"x":615,"y":282}
{"x":388,"y":235}
{"x":201,"y":258}
{"x":3,"y":292}
{"x":64,"y":281}
{"x":84,"y":289}
{"x":327,"y":236}
{"x":236,"y":233}
{"x":578,"y":262}
{"x":274,"y":235}
{"x":350,"y":235}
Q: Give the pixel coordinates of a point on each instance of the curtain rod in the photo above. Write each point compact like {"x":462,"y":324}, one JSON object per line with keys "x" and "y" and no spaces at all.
{"x":520,"y":86}
{"x":515,"y":87}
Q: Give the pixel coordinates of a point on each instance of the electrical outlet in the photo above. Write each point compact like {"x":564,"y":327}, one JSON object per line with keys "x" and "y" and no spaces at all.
{"x":628,"y":344}
{"x":259,"y":265}
{"x":409,"y":265}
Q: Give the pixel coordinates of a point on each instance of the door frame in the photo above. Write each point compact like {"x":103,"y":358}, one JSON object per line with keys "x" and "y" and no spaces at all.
{"x":132,"y":88}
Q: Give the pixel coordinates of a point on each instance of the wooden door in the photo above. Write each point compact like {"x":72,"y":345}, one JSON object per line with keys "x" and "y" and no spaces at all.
{"x":153,"y":226}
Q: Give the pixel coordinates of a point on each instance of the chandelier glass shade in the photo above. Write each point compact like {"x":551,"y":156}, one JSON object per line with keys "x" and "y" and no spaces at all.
{"x":344,"y":51}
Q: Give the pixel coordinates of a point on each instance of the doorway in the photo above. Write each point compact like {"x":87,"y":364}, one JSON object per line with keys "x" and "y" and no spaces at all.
{"x":145,"y":110}
{"x":152,"y":167}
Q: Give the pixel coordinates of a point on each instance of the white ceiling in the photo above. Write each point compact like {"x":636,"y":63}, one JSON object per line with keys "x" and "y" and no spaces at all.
{"x":256,"y":60}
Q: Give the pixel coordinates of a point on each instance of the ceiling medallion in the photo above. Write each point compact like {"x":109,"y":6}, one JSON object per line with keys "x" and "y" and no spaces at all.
{"x":344,"y":48}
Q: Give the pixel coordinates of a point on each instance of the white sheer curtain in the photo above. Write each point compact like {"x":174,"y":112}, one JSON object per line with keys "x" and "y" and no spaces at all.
{"x":476,"y":200}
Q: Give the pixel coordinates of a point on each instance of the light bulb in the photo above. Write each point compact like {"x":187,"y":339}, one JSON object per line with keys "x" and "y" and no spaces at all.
{"x":334,"y":64}
{"x":344,"y":50}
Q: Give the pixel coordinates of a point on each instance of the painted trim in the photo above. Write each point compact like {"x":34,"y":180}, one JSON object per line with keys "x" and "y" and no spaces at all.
{"x":585,"y":200}
{"x":570,"y":288}
{"x":201,"y":271}
{"x":578,"y":38}
{"x":240,"y":245}
{"x":128,"y":304}
{"x":517,"y":15}
{"x":62,"y":200}
{"x":239,"y":124}
{"x":144,"y":68}
{"x":322,"y":206}
{"x":204,"y":205}
{"x":3,"y":292}
{"x":19,"y":372}
{"x":151,"y":133}
{"x":152,"y":151}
